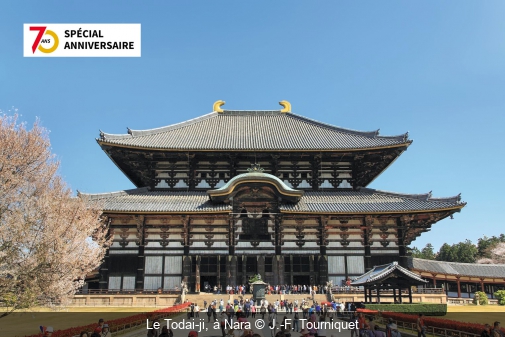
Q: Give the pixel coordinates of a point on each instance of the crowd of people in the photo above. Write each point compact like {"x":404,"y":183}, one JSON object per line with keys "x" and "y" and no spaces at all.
{"x":242,"y":309}
{"x":270,"y":289}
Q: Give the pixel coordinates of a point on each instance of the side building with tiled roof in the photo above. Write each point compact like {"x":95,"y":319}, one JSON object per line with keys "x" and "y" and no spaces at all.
{"x":460,"y":280}
{"x":231,"y":194}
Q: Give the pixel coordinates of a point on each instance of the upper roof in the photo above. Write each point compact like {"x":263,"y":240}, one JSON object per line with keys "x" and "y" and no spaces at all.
{"x":380,"y":273}
{"x":456,"y":268}
{"x":252,"y":131}
{"x":364,"y":201}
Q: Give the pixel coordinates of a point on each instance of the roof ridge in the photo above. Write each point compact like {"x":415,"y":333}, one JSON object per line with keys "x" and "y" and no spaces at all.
{"x":368,"y":134}
{"x":147,"y":132}
{"x":459,"y":263}
{"x":416,"y":196}
{"x":98,"y":196}
{"x":139,"y":133}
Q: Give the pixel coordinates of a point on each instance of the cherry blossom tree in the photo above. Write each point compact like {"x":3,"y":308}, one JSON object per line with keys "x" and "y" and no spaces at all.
{"x":496,"y":253}
{"x":49,"y":240}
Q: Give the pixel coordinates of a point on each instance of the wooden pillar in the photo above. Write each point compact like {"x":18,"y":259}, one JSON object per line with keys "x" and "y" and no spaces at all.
{"x":104,"y":272}
{"x":278,"y":234}
{"x":482,"y":286}
{"x":378,"y":295}
{"x":402,"y":225}
{"x":311,"y":269}
{"x":400,"y":295}
{"x":197,"y":274}
{"x":459,"y":287}
{"x":291,"y":268}
{"x":394,"y":294}
{"x":434,"y":281}
{"x":367,"y":229}
{"x":231,"y":271}
{"x":186,"y":270}
{"x":370,"y":294}
{"x":280,"y":269}
{"x":410,"y":294}
{"x":346,"y":268}
{"x":365,"y":293}
{"x":261,"y":266}
{"x":244,"y":270}
{"x":218,"y":271}
{"x":323,"y":269}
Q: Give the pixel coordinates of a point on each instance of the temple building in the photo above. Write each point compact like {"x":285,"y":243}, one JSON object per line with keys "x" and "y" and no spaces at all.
{"x":230,"y":194}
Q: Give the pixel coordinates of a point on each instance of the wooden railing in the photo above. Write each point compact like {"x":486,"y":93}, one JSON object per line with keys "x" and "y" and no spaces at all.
{"x":127,"y":292}
{"x":356,"y":290}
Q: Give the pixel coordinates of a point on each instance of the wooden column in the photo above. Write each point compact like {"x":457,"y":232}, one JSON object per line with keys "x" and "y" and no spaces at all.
{"x":244,"y":270}
{"x":141,"y":233}
{"x":311,"y":269}
{"x":261,"y":266}
{"x":394,"y":295}
{"x":275,"y":271}
{"x":278,"y":234}
{"x":410,"y":294}
{"x":366,"y":294}
{"x":434,"y":281}
{"x":378,"y":295}
{"x":197,"y":274}
{"x":231,"y":272}
{"x":218,"y":271}
{"x":367,"y":233}
{"x":459,"y":287}
{"x":400,"y":295}
{"x":186,"y":270}
{"x":402,"y":224}
{"x":104,"y":272}
{"x":482,"y":286}
{"x":280,"y":268}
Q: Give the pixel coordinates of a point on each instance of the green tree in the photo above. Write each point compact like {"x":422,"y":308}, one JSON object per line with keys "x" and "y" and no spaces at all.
{"x":465,"y":252}
{"x":446,"y":253}
{"x":428,"y":253}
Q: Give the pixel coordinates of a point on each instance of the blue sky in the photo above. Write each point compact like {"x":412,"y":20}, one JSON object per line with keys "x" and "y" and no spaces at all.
{"x":433,"y":68}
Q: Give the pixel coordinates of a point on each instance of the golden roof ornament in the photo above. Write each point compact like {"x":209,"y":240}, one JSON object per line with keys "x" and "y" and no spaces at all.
{"x":217,"y":106}
{"x":255,"y":168}
{"x":286,"y":105}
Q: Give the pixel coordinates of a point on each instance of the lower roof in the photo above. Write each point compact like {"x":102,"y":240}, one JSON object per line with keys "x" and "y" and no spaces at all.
{"x":379,"y":274}
{"x":363,"y":201}
{"x":457,"y":269}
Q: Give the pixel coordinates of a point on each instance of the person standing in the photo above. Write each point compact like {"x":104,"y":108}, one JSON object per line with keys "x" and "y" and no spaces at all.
{"x":497,"y":330}
{"x":296,"y":320}
{"x":421,"y":327}
{"x":105,"y":331}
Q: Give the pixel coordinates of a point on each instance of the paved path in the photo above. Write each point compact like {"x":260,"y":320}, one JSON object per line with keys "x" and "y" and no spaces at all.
{"x":208,"y":329}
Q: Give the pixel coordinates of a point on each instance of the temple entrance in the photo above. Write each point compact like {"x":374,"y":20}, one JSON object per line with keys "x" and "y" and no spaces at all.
{"x":301,"y":279}
{"x":209,"y":281}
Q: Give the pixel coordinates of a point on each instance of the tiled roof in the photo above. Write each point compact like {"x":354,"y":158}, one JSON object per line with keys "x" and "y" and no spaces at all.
{"x":142,"y":200}
{"x":368,"y":200}
{"x":455,"y":268}
{"x":378,"y":273}
{"x":363,"y":201}
{"x":252,"y":130}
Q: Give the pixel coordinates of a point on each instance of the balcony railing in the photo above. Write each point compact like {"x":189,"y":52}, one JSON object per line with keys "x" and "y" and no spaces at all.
{"x":128,"y":292}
